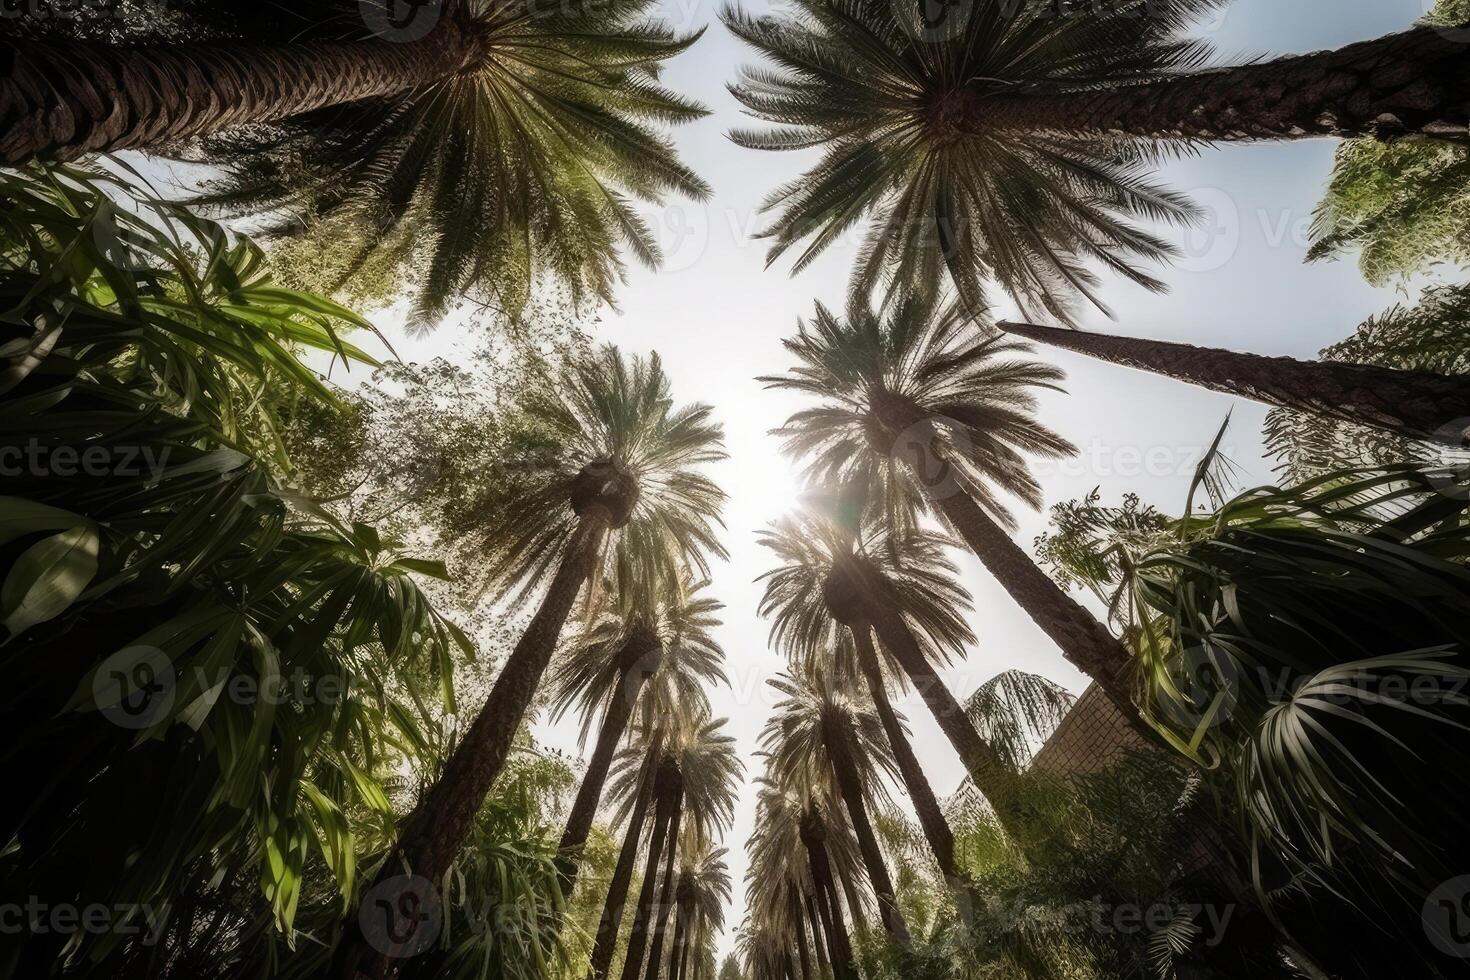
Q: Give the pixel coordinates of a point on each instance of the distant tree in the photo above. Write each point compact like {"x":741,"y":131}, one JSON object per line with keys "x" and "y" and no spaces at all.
{"x":730,"y":968}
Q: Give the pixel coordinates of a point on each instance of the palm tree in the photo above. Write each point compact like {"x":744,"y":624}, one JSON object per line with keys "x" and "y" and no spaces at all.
{"x":1416,"y":404}
{"x":793,"y":820}
{"x":699,"y":904}
{"x":928,"y":414}
{"x":636,"y":782}
{"x":700,"y":769}
{"x":651,"y":652}
{"x":614,"y":459}
{"x":820,"y":617}
{"x":483,"y":137}
{"x":1010,"y":141}
{"x":819,"y":734}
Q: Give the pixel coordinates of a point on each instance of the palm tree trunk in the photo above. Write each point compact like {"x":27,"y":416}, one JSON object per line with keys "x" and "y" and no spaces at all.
{"x":589,"y":793}
{"x":665,"y":901}
{"x":617,"y":889}
{"x":1413,"y":83}
{"x":926,"y":804}
{"x":803,"y":953}
{"x":819,"y":938}
{"x":854,"y":906}
{"x":851,"y":789}
{"x":638,"y":934}
{"x":676,"y":948}
{"x":62,"y":99}
{"x":991,"y":775}
{"x":1416,"y":404}
{"x":434,"y":833}
{"x":828,"y":909}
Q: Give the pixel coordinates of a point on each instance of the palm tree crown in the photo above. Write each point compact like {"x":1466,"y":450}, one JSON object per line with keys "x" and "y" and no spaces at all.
{"x":898,"y":107}
{"x":526,"y":162}
{"x":890,"y":385}
{"x":605,"y":433}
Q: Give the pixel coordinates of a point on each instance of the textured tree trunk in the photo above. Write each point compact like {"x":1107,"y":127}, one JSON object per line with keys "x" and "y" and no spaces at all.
{"x":434,"y":833}
{"x":1085,"y":642}
{"x":1413,"y":83}
{"x":988,"y":771}
{"x":851,"y":789}
{"x":926,"y":804}
{"x":643,"y":918}
{"x":62,"y":99}
{"x":617,"y":889}
{"x":1416,"y":404}
{"x":665,"y":899}
{"x":589,"y":794}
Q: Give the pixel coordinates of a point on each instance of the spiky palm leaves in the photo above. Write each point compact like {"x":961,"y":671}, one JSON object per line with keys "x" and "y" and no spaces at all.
{"x":821,"y":620}
{"x":615,"y":459}
{"x":487,"y":142}
{"x":700,"y":772}
{"x":650,"y":655}
{"x":1263,"y":632}
{"x":920,"y":409}
{"x":821,"y":736}
{"x":699,"y":907}
{"x":900,"y":110}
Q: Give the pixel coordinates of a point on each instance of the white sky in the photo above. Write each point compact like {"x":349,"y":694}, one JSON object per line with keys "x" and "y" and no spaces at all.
{"x":717,"y":316}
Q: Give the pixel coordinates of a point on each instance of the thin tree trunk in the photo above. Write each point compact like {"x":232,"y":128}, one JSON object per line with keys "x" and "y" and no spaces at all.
{"x":818,"y":937}
{"x":1413,"y":83}
{"x":665,"y":900}
{"x":854,"y":905}
{"x":857,"y":812}
{"x":803,"y":952}
{"x":991,"y":775}
{"x":638,"y":934}
{"x":1084,"y":641}
{"x":838,"y":944}
{"x":62,"y":99}
{"x":677,"y":946}
{"x":617,"y":889}
{"x":434,"y":833}
{"x":589,"y":794}
{"x":1416,"y":404}
{"x":926,"y":804}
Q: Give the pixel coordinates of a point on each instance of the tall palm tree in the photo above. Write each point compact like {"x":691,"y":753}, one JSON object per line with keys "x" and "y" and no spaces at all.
{"x":1007,"y":140}
{"x":1416,"y":404}
{"x":650,"y":653}
{"x":699,"y":904}
{"x":703,"y":770}
{"x":819,"y":616}
{"x":636,"y":783}
{"x":483,"y":137}
{"x":818,"y":733}
{"x":615,"y":459}
{"x":927,"y":414}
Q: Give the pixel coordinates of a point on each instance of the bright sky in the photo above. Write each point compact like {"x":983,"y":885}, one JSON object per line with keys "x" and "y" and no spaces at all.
{"x":717,"y":317}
